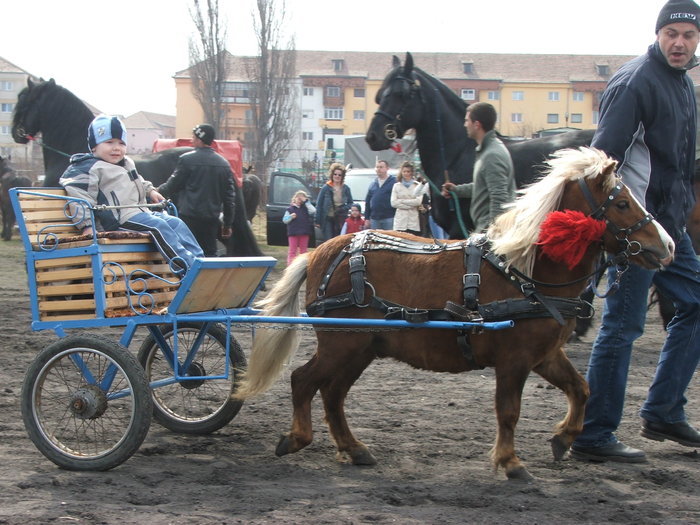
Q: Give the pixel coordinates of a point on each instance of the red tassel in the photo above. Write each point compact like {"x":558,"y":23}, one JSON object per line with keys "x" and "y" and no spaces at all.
{"x":397,"y":147}
{"x":565,"y":236}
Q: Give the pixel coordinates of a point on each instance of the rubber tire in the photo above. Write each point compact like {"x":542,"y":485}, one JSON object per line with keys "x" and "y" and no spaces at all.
{"x":44,"y":411}
{"x":174,"y":418}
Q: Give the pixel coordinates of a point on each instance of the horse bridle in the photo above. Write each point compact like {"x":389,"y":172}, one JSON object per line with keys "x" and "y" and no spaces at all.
{"x":627,"y":249}
{"x":598,"y":212}
{"x":392,"y":129}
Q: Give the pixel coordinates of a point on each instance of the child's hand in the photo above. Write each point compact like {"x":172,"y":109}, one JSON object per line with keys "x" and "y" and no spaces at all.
{"x":155,"y":196}
{"x":293,"y":216}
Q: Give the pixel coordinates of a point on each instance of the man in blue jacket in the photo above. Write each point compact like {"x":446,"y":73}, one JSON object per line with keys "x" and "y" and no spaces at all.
{"x":379,"y":214}
{"x":648,"y":124}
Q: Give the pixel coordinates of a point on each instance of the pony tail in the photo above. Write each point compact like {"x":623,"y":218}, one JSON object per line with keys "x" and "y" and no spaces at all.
{"x":272,"y":348}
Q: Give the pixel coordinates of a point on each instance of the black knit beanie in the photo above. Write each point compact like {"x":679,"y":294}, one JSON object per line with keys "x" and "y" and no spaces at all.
{"x":676,"y":11}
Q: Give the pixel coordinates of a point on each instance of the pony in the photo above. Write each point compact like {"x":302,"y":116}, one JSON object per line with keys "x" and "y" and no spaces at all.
{"x":534,"y":248}
{"x":9,"y":179}
{"x":62,"y":119}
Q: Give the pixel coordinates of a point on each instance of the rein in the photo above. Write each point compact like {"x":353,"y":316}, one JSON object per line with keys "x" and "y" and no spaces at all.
{"x":43,"y":144}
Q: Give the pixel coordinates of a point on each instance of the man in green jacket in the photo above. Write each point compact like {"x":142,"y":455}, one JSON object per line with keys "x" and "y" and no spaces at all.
{"x":494,"y":179}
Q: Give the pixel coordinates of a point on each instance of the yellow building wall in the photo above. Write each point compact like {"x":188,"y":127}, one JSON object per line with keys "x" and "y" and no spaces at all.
{"x":188,"y":111}
{"x":536,"y":105}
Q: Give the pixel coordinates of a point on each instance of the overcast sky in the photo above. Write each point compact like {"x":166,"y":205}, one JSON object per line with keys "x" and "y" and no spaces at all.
{"x":120,"y":56}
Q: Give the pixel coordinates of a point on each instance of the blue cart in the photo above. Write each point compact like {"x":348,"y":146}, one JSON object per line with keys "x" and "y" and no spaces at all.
{"x":87,"y":400}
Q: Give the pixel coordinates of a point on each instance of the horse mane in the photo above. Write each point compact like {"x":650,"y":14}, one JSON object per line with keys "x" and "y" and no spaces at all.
{"x":452,"y":100}
{"x":515,"y":232}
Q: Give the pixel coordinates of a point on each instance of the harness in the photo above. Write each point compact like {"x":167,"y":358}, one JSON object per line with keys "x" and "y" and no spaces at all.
{"x":476,"y":249}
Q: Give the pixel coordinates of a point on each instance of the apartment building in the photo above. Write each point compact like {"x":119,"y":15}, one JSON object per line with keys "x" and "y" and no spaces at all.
{"x":335,"y":93}
{"x":12,"y":80}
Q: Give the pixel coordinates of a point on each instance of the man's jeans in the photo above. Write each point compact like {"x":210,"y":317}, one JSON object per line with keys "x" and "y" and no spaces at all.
{"x":623,"y":320}
{"x":382,"y":224}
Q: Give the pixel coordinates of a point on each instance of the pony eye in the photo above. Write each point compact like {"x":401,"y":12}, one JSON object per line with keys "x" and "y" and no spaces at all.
{"x":622,"y":205}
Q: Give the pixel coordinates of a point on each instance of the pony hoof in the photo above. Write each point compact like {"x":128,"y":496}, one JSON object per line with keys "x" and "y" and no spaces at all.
{"x":282,"y":446}
{"x":559,"y":447}
{"x":519,"y":474}
{"x":362,"y":456}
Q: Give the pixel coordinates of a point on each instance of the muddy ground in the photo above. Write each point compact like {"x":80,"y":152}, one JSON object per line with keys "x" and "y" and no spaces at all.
{"x":431,"y":434}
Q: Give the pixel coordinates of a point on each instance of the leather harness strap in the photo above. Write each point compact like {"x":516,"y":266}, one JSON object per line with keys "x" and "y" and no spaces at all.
{"x":532,"y":305}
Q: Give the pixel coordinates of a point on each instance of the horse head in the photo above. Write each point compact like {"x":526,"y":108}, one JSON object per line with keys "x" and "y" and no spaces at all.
{"x":400,"y":105}
{"x":554,"y":218}
{"x":26,"y":120}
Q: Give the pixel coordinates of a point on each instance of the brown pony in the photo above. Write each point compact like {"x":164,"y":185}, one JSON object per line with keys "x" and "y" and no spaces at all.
{"x":432,"y":280}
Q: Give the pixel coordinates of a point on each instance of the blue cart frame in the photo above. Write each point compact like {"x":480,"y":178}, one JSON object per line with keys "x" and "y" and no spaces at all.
{"x":87,"y":401}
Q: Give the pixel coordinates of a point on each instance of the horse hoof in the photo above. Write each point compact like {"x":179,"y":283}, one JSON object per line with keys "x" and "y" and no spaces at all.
{"x":559,"y":447}
{"x":282,"y":446}
{"x":519,"y":474}
{"x":362,"y":456}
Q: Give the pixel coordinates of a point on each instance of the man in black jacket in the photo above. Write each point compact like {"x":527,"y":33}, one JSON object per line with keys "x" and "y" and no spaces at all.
{"x":648,"y":124}
{"x":203,"y":182}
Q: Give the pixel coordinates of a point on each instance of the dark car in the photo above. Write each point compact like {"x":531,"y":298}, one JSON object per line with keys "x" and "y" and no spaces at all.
{"x":282,"y":188}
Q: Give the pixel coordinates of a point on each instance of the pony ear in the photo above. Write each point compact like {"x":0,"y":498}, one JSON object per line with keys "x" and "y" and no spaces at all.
{"x":395,"y":62}
{"x":609,"y":166}
{"x":408,"y":65}
{"x":52,"y":82}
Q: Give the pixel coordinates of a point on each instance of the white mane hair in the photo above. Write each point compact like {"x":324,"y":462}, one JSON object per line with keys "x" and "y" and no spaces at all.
{"x":515,"y":232}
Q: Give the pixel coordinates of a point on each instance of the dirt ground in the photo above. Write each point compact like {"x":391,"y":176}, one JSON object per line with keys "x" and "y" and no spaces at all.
{"x":431,"y":434}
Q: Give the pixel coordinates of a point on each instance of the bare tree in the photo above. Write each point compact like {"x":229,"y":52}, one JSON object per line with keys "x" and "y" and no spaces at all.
{"x":208,"y":65}
{"x":272,"y":74}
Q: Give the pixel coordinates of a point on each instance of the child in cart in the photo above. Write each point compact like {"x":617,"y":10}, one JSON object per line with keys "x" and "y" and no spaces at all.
{"x":108,"y":177}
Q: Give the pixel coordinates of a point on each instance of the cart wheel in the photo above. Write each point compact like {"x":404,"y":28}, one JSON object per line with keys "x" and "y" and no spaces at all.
{"x":86,"y":403}
{"x":190,"y":406}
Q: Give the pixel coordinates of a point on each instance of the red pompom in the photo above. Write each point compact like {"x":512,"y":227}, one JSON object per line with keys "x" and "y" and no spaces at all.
{"x":565,"y":236}
{"x":397,"y":147}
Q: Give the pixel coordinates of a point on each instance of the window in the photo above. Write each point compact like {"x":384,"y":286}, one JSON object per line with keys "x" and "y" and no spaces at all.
{"x":331,"y":113}
{"x":576,"y":118}
{"x":307,"y":135}
{"x":603,"y":69}
{"x":338,"y":64}
{"x":467,"y":67}
{"x":307,"y":113}
{"x":516,"y":117}
{"x":248,"y":116}
{"x":552,"y":118}
{"x":494,"y":95}
{"x":7,"y":107}
{"x":308,"y":92}
{"x":5,"y":130}
{"x":332,"y":91}
{"x":6,"y":85}
{"x":553,"y":96}
{"x":518,"y":95}
{"x":468,"y":94}
{"x":578,"y":96}
{"x":359,"y":92}
{"x":595,"y":117}
{"x":358,"y":114}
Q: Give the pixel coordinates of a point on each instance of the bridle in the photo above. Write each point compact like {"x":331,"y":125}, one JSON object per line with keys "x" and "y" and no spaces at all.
{"x":627,"y":248}
{"x":409,"y":87}
{"x":621,"y":234}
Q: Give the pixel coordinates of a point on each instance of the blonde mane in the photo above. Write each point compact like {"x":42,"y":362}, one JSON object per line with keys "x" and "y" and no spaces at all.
{"x":515,"y":232}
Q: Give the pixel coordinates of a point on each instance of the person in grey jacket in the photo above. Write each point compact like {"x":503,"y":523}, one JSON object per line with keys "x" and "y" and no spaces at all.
{"x":108,"y":177}
{"x":493,"y":183}
{"x":203,"y":184}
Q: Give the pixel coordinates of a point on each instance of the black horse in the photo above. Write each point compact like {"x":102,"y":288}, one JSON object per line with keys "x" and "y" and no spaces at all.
{"x":410,"y":98}
{"x":62,"y":119}
{"x":9,"y":179}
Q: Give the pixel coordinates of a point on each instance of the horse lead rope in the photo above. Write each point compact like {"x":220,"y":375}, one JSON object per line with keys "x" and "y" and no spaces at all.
{"x":46,"y":146}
